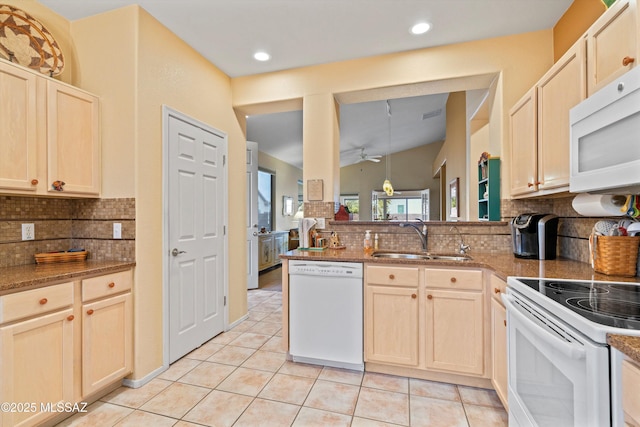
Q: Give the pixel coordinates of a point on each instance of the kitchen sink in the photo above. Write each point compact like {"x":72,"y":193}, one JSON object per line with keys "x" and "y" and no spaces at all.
{"x":420,"y":256}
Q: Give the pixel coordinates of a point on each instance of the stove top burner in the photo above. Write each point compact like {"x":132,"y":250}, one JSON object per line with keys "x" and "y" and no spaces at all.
{"x":607,"y":303}
{"x":574,"y":287}
{"x":608,"y":307}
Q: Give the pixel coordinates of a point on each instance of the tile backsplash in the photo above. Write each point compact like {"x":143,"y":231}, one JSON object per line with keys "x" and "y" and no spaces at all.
{"x":61,"y":224}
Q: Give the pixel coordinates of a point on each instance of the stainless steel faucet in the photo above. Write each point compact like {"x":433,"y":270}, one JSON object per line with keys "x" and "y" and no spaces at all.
{"x":463,"y":248}
{"x":421,"y":232}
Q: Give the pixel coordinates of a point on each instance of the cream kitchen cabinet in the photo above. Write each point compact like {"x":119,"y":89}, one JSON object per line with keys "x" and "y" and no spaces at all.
{"x":613,"y":44}
{"x":631,"y":392}
{"x":540,"y":127}
{"x":454,"y":321}
{"x":270,"y":246}
{"x":37,"y":352}
{"x":391,"y":315}
{"x":50,"y":131}
{"x":499,"y":340}
{"x":106,"y":330}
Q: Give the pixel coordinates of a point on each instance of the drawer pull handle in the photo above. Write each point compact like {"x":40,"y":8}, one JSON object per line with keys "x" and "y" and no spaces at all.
{"x":70,"y":317}
{"x":496,"y":290}
{"x":90,"y":311}
{"x":43,"y":301}
{"x":414,"y":296}
{"x":34,"y":182}
{"x":429,"y":296}
{"x":454,"y":280}
{"x":505,"y":322}
{"x":627,"y":60}
{"x":391,"y":276}
{"x":111,"y":285}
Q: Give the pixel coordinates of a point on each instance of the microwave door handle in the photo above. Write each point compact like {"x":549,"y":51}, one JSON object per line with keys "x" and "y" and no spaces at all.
{"x":574,"y":351}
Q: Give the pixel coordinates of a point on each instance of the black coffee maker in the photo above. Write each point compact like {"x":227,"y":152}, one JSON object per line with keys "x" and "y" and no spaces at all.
{"x":534,"y":235}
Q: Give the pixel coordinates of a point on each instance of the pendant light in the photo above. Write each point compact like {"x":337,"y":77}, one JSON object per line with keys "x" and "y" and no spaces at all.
{"x":386,"y":186}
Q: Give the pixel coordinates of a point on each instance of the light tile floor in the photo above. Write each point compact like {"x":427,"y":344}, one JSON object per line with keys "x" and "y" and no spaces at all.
{"x":241,"y":378}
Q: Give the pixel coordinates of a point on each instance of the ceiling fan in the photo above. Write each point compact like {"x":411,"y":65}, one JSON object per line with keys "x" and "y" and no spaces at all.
{"x":365,"y":157}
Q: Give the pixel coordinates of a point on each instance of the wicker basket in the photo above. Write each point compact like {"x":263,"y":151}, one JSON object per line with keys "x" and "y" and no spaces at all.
{"x":50,"y":257}
{"x":615,"y":255}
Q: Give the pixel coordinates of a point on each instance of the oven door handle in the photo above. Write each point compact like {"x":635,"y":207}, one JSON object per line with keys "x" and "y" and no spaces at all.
{"x":574,"y":351}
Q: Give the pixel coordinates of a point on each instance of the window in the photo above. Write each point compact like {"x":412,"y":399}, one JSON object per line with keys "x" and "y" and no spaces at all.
{"x":352,"y":203}
{"x":402,"y":206}
{"x":266,"y":185}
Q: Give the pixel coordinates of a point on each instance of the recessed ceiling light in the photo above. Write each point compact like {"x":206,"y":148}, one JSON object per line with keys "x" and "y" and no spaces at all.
{"x":262,"y":56}
{"x":420,"y":28}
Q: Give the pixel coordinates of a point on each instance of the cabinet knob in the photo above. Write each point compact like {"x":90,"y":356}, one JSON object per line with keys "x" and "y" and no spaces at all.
{"x":627,"y":60}
{"x":70,"y":317}
{"x":454,"y":280}
{"x":111,"y":285}
{"x":34,"y":182}
{"x":530,"y":184}
{"x":90,"y":311}
{"x":391,"y":276}
{"x":496,"y":290}
{"x":505,"y":322}
{"x":429,"y":296}
{"x":43,"y":301}
{"x":414,"y":296}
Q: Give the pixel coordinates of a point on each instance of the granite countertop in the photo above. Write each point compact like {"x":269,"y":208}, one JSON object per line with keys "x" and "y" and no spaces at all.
{"x":630,"y":346}
{"x":503,"y":264}
{"x":14,"y":279}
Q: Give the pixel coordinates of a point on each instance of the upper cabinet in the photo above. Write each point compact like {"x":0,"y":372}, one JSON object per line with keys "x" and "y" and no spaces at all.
{"x":50,"y":131}
{"x":612,"y":44}
{"x":540,"y":127}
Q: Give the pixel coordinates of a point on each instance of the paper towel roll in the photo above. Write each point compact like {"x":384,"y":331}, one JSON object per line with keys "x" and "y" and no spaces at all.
{"x":598,"y":204}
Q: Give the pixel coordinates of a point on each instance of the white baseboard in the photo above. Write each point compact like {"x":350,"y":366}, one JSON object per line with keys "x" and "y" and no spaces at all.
{"x":144,"y":380}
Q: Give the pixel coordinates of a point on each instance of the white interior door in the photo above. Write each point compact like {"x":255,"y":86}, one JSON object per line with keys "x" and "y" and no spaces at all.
{"x":196,"y":204}
{"x":252,"y":215}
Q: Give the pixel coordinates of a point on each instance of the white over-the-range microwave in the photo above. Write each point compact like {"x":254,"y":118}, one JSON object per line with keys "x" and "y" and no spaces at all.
{"x":605,"y":139}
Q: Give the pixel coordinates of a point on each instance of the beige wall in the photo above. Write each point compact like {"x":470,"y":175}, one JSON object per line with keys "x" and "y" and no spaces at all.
{"x":410,"y":170}
{"x":518,"y":61}
{"x":159,"y":69}
{"x":287,"y":177}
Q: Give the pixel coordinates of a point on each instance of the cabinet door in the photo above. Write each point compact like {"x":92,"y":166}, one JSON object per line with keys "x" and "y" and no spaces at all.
{"x":524,"y":157}
{"x":612,"y":44}
{"x":107,"y":339}
{"x":499,"y":350}
{"x":73,"y":140}
{"x":561,"y":89}
{"x":265,"y":252}
{"x":279,"y":247}
{"x":454,"y":332}
{"x":391,"y":325}
{"x":36,"y":365}
{"x":17,"y":129}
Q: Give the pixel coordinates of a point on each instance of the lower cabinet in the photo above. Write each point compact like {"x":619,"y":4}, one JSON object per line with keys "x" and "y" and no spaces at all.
{"x":631,"y":392}
{"x":426,"y":318}
{"x":391,"y":319}
{"x":499,"y":350}
{"x":270,"y":246}
{"x":454,"y":320}
{"x":39,"y":338}
{"x":107,"y":325}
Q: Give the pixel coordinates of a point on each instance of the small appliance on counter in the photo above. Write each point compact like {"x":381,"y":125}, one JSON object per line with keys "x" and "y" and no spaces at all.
{"x":534,"y":235}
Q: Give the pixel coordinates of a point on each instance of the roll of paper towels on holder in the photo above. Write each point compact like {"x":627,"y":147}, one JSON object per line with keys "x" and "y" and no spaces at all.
{"x":598,"y":204}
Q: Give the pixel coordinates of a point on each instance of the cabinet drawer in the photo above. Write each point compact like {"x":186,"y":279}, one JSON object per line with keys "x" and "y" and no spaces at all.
{"x":454,"y":279}
{"x":392,"y":275}
{"x":37,"y":301}
{"x":631,"y":390}
{"x":109,"y":284}
{"x":497,"y":287}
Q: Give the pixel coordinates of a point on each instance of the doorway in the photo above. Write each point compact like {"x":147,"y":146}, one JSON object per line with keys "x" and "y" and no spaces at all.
{"x":195,"y":242}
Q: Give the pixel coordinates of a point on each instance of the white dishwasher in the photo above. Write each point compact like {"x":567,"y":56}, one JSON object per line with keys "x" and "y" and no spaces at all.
{"x":325,"y":313}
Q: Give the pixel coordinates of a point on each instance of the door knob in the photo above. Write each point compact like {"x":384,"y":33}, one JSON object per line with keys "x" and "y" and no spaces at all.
{"x":176,"y":252}
{"x":255,"y":233}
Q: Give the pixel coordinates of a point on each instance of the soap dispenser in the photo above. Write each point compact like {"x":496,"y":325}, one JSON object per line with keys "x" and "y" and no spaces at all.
{"x":368,"y":245}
